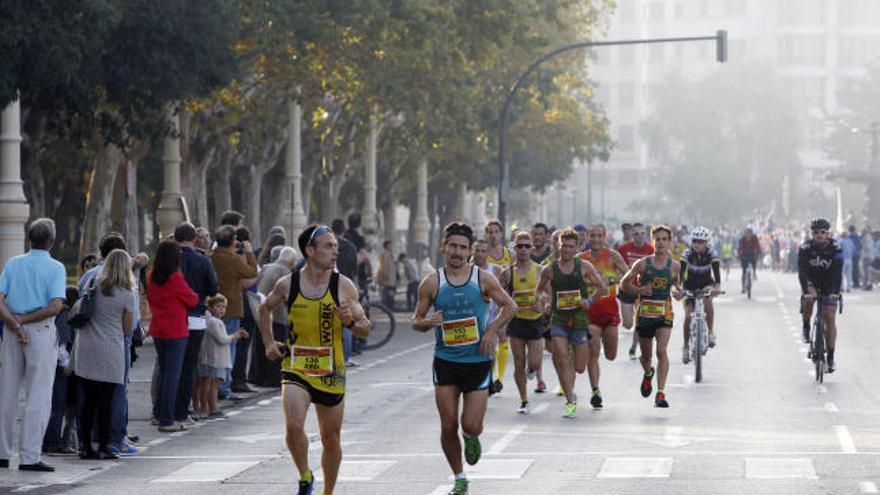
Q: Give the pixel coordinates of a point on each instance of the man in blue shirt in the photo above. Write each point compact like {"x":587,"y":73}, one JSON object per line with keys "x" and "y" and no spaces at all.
{"x":32,"y":289}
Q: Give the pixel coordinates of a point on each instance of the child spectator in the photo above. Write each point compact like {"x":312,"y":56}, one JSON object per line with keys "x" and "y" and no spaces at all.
{"x":64,"y":389}
{"x":215,"y":360}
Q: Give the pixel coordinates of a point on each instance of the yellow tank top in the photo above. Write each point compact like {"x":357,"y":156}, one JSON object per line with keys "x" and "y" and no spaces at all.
{"x":315,"y":338}
{"x":525,"y":292}
{"x":504,"y":261}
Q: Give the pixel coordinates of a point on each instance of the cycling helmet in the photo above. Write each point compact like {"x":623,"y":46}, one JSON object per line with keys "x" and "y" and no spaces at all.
{"x":700,"y":234}
{"x":820,"y":223}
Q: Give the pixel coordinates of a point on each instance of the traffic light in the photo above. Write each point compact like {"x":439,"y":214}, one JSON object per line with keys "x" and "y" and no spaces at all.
{"x":721,"y":46}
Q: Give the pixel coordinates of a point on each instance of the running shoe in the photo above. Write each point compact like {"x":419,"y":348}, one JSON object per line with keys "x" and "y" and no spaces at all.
{"x":685,"y":355}
{"x":596,"y":400}
{"x":472,"y":450}
{"x":632,"y":353}
{"x":307,"y":487}
{"x":830,"y":366}
{"x":541,"y":388}
{"x":660,"y":400}
{"x":523,"y":407}
{"x":570,"y":410}
{"x":712,"y":340}
{"x":646,"y":387}
{"x":498,"y":386}
{"x":559,"y":391}
{"x":530,"y":374}
{"x":460,"y":487}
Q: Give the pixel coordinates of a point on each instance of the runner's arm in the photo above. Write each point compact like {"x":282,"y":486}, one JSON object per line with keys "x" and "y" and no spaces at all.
{"x":543,"y":290}
{"x":351,"y":308}
{"x":276,"y":298}
{"x":506,"y":310}
{"x":592,"y":277}
{"x":803,"y":270}
{"x":421,"y":320}
{"x":630,"y":280}
{"x":619,"y":264}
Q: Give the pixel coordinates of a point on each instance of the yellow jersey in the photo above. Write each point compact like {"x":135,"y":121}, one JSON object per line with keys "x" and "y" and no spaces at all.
{"x":524,"y":291}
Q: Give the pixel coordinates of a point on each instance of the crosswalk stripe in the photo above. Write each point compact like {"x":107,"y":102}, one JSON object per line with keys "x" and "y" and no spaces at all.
{"x":204,"y":472}
{"x":636,"y":467}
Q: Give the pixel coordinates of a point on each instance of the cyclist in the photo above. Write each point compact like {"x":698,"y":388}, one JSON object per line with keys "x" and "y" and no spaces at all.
{"x":564,"y":283}
{"x":700,"y":268}
{"x":653,"y":278}
{"x":459,"y":294}
{"x":748,"y":251}
{"x":526,"y":329}
{"x":604,"y":313}
{"x":820,"y":267}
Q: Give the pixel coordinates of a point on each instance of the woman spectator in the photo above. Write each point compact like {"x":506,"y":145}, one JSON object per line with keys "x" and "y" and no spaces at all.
{"x":99,"y":352}
{"x":265,"y":254}
{"x":169,"y":297}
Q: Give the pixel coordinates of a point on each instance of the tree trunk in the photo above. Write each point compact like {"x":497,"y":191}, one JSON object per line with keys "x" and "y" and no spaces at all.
{"x":252,"y":203}
{"x":222,"y":191}
{"x":108,"y":161}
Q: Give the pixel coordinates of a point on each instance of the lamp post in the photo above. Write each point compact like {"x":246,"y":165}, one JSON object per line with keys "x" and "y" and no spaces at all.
{"x":720,"y":39}
{"x":14,"y":208}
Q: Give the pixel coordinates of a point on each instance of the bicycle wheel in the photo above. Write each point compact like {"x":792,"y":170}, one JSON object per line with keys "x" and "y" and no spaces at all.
{"x":698,"y":352}
{"x":383,"y":326}
{"x":818,"y":346}
{"x":749,"y":284}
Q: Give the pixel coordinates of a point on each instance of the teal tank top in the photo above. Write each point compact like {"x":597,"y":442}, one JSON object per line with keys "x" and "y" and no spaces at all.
{"x":464,"y":319}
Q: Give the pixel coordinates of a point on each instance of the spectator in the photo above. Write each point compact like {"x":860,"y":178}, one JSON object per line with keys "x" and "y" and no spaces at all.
{"x":867,"y":257}
{"x":857,"y":256}
{"x":214,"y":359}
{"x":203,"y":240}
{"x":99,"y":353}
{"x":387,"y":275}
{"x":233,"y":218}
{"x":87,"y":263}
{"x":199,"y":275}
{"x":346,"y":264}
{"x":263,"y":372}
{"x":119,"y":422}
{"x":32,"y":293}
{"x":170,"y":298}
{"x":276,"y":238}
{"x":234,"y":272}
{"x":273,"y":256}
{"x":412,"y":281}
{"x":847,"y":250}
{"x":64,"y":389}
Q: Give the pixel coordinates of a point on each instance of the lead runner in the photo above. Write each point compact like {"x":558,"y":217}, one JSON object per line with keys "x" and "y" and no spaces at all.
{"x":459,"y":294}
{"x":319,"y":303}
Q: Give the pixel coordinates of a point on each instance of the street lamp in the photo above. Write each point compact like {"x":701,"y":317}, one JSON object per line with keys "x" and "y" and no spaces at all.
{"x":720,"y":39}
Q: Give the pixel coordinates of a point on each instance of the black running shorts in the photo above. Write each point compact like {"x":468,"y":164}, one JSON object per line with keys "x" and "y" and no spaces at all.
{"x":468,"y":377}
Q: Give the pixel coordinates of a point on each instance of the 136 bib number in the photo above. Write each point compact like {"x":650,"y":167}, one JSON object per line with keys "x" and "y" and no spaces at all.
{"x":313,"y":361}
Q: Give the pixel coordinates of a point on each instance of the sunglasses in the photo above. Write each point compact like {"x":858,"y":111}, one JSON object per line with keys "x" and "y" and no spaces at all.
{"x":318,"y":232}
{"x":820,"y":232}
{"x":523,"y":246}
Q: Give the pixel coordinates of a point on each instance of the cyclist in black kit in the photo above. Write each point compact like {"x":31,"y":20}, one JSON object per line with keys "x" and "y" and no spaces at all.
{"x":820,"y":265}
{"x":700,"y":268}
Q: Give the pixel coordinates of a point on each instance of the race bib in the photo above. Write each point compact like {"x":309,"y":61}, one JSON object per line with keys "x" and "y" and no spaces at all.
{"x":313,"y":361}
{"x":460,"y":332}
{"x":568,"y":299}
{"x":652,"y":309}
{"x":524,"y":298}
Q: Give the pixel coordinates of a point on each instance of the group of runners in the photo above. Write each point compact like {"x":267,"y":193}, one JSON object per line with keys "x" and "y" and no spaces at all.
{"x":566,"y":292}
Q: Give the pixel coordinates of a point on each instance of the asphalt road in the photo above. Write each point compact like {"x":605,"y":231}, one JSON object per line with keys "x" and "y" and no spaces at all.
{"x":757,"y":424}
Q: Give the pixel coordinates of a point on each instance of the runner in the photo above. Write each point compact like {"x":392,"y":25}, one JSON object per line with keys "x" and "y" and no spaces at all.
{"x":700,"y":268}
{"x":319,"y":303}
{"x":540,"y":250}
{"x":525,"y":330}
{"x":653,"y":277}
{"x":604,"y":314}
{"x":542,"y":253}
{"x":564,"y":283}
{"x":727,"y":254}
{"x":632,"y":251}
{"x":459,"y":293}
{"x":498,"y":254}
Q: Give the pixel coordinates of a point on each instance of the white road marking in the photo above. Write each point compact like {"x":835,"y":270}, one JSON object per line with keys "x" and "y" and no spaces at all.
{"x":505,"y":441}
{"x":633,"y":467}
{"x":264,"y":402}
{"x":780,"y":468}
{"x":441,"y":490}
{"x":822,"y":388}
{"x":252,"y":439}
{"x":541,"y":408}
{"x":392,"y":357}
{"x":847,"y":445}
{"x":233,"y":413}
{"x":868,"y":487}
{"x":497,"y":469}
{"x":249,"y":408}
{"x":158,"y":441}
{"x":830,"y":407}
{"x":204,"y":472}
{"x":358,"y":470}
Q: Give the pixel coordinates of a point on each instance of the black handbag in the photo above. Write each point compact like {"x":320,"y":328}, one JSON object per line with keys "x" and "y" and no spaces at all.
{"x":84,"y":307}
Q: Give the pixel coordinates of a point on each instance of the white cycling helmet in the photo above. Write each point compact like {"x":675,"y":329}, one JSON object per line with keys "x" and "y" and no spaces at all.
{"x":700,"y":234}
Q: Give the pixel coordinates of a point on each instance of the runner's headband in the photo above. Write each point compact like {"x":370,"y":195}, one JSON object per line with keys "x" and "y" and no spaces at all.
{"x":318,"y":232}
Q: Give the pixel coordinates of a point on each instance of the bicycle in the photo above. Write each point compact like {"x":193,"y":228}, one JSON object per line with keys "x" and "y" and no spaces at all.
{"x":817,"y":339}
{"x":383,"y":323}
{"x":749,"y":277}
{"x":699,"y":331}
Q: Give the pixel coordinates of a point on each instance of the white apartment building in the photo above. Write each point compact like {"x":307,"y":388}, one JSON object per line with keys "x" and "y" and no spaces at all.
{"x":815,"y":46}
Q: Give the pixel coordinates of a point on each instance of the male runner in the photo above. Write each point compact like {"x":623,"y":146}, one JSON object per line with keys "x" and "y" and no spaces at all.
{"x":727,"y":254}
{"x":700,"y":268}
{"x":525,"y":330}
{"x":542,"y":254}
{"x":653,"y":277}
{"x":498,"y":254}
{"x":564,"y":283}
{"x":540,"y":250}
{"x":632,"y":251}
{"x":319,"y":303}
{"x":820,"y":266}
{"x":627,"y":230}
{"x":459,"y":293}
{"x":604,"y":313}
